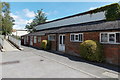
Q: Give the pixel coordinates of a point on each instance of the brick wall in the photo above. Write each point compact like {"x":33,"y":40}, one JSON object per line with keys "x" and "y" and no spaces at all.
{"x":111,"y":51}
{"x":37,"y":44}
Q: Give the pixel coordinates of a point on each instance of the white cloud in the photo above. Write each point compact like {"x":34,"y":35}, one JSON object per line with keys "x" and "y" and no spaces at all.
{"x":19,"y":21}
{"x":28,"y":13}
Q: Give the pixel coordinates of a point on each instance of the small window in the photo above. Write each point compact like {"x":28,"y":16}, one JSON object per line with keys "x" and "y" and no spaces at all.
{"x":51,"y":37}
{"x":111,"y":38}
{"x":27,"y":38}
{"x":72,"y":37}
{"x":76,"y":37}
{"x":39,"y":39}
{"x":80,"y":37}
{"x":117,"y":37}
{"x":104,"y":37}
{"x":35,"y":40}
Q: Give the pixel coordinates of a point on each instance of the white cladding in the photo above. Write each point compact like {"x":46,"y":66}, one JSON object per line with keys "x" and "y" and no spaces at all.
{"x":73,"y":20}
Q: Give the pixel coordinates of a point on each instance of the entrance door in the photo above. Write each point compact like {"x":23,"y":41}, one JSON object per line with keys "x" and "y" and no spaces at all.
{"x":62,"y":43}
{"x":31,"y":40}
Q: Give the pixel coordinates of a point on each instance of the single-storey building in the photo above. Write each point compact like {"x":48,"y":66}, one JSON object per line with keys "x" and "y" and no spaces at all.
{"x":67,"y":33}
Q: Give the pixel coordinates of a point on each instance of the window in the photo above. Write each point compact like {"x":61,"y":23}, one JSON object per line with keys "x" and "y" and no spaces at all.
{"x":76,"y":37}
{"x":51,"y":37}
{"x":72,"y":37}
{"x":104,"y":37}
{"x":35,"y":40}
{"x":117,"y":37}
{"x":39,"y":39}
{"x":27,"y":38}
{"x":110,"y":37}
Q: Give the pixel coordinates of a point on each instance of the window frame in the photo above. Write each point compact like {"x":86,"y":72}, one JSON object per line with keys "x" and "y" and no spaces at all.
{"x":51,"y":39}
{"x":38,"y":37}
{"x":74,"y":34}
{"x":108,"y":41}
{"x":27,"y":38}
{"x":35,"y":39}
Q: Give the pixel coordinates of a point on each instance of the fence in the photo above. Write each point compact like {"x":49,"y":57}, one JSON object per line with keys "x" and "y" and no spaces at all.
{"x":1,"y":41}
{"x":15,"y":41}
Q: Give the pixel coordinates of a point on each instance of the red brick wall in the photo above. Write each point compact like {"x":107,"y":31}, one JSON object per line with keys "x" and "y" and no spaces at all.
{"x":111,"y":51}
{"x":54,"y":44}
{"x":37,"y":44}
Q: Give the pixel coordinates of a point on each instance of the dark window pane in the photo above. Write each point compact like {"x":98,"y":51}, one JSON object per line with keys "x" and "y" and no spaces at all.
{"x":111,"y":37}
{"x":117,"y":37}
{"x":76,"y":37}
{"x":63,"y":39}
{"x":60,"y":39}
{"x":80,"y":37}
{"x":104,"y":37}
{"x":72,"y":37}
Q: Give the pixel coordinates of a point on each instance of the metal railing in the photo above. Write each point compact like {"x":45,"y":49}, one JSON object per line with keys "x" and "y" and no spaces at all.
{"x":15,"y":41}
{"x":1,"y":40}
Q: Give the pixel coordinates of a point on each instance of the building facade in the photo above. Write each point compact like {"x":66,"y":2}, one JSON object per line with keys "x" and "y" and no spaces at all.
{"x":67,"y":33}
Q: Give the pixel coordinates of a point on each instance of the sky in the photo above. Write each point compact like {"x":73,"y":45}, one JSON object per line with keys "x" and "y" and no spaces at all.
{"x":24,"y":12}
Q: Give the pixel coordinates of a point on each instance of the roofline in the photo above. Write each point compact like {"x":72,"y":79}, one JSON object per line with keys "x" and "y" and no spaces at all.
{"x":87,"y":31}
{"x":86,"y":12}
{"x":88,"y":23}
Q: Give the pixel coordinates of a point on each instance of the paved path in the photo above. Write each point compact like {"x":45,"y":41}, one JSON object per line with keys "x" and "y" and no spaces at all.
{"x":9,"y":47}
{"x":32,"y":63}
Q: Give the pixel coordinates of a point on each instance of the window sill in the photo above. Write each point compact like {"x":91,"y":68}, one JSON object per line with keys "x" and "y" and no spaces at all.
{"x":110,"y":43}
{"x":76,"y":41}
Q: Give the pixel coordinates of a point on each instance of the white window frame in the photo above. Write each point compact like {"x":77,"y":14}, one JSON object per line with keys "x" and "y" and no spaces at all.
{"x":38,"y":39}
{"x":75,"y":37}
{"x":35,"y":39}
{"x":108,"y":42}
{"x":51,"y":39}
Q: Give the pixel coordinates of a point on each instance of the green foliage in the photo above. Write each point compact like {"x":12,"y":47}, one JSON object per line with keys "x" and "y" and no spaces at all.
{"x":46,"y":45}
{"x":112,"y":12}
{"x":91,"y":50}
{"x":40,"y":17}
{"x":6,"y":22}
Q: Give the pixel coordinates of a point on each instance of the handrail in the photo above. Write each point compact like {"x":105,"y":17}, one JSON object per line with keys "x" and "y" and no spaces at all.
{"x":1,"y":41}
{"x":15,"y":41}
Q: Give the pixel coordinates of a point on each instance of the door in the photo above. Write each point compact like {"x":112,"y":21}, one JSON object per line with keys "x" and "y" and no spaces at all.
{"x":31,"y":40}
{"x":62,"y":43}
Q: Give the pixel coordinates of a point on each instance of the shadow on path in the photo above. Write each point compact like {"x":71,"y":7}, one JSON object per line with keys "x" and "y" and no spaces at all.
{"x":75,"y":58}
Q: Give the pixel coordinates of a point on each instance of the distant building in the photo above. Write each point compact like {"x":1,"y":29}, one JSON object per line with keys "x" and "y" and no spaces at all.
{"x":19,"y":32}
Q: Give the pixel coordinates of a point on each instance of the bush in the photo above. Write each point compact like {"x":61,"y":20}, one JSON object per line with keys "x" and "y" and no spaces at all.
{"x":92,"y":50}
{"x":46,"y":45}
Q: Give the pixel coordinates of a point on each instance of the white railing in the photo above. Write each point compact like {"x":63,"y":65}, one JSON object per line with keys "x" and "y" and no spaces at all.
{"x":15,"y":41}
{"x":1,"y":40}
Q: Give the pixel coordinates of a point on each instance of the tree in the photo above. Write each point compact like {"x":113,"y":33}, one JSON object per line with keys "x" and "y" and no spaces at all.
{"x":40,"y":17}
{"x":7,"y":20}
{"x":0,"y":18}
